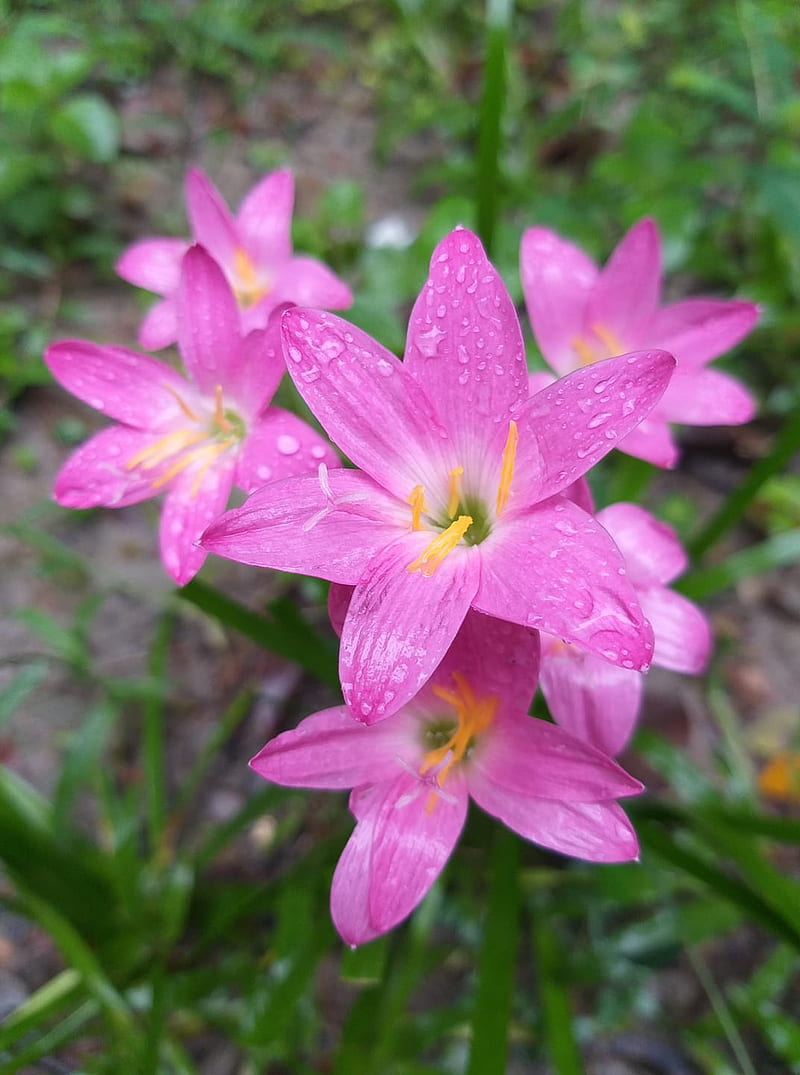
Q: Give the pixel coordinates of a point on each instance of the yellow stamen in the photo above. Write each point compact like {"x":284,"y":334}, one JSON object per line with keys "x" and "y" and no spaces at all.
{"x":207,"y":451}
{"x":184,"y":406}
{"x":583,"y":350}
{"x":416,"y":498}
{"x":212,"y":455}
{"x":161,"y":449}
{"x":219,"y":414}
{"x":507,"y":469}
{"x":455,"y":491}
{"x":610,"y":340}
{"x":433,"y":553}
{"x":474,"y":716}
{"x":249,"y":288}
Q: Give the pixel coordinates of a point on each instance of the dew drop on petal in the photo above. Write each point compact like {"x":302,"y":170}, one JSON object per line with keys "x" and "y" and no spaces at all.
{"x":318,"y":452}
{"x":598,"y":420}
{"x":264,"y":473}
{"x":601,"y":386}
{"x":287,"y":444}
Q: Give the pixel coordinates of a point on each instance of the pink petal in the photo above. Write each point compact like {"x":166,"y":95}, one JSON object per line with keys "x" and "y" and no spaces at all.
{"x":160,"y":326}
{"x":307,"y":282}
{"x":351,"y":884}
{"x":707,"y":398}
{"x":154,"y":264}
{"x":652,"y":441}
{"x":682,"y":632}
{"x":212,"y":224}
{"x":627,"y":290}
{"x":209,"y":337}
{"x":281,"y":445}
{"x":557,"y":280}
{"x":401,"y":623}
{"x":265,"y":218}
{"x":653,"y":554}
{"x":366,"y":400}
{"x":95,"y":474}
{"x":291,"y":525}
{"x":565,"y":429}
{"x":697,"y":330}
{"x":526,"y":757}
{"x":255,"y":379}
{"x":581,"y":494}
{"x":331,"y":750}
{"x":193,"y":501}
{"x":556,"y":569}
{"x":540,"y":379}
{"x":591,"y":698}
{"x":135,"y":389}
{"x":339,"y":597}
{"x":464,"y":341}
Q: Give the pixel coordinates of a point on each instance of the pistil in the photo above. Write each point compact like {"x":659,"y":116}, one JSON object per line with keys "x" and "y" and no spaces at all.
{"x":474,"y":716}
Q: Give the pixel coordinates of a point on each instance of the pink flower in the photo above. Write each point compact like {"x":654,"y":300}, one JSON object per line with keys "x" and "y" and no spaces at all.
{"x":458,"y":503}
{"x":192,"y":438}
{"x":581,"y":314}
{"x":253,"y":249}
{"x":594,"y":699}
{"x":466,"y":734}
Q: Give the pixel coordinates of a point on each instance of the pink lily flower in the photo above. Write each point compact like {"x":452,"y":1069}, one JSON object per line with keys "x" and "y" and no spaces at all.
{"x":253,"y":249}
{"x":458,"y":503}
{"x":581,"y":314}
{"x":192,"y":437}
{"x":465,"y":735}
{"x":592,"y":698}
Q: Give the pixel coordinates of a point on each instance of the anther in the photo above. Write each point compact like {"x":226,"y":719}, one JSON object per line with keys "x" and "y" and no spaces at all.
{"x":433,"y":553}
{"x":507,"y":468}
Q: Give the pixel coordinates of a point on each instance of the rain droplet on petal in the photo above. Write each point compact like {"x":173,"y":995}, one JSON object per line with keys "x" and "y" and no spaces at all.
{"x":287,"y":444}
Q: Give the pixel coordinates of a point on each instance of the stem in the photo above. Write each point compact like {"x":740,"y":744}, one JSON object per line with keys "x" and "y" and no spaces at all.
{"x":490,"y":117}
{"x":556,"y":1012}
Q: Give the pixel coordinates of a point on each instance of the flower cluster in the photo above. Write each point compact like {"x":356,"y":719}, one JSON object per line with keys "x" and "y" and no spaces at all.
{"x":466,"y":557}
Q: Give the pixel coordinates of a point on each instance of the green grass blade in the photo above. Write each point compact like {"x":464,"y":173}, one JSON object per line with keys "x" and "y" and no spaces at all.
{"x":782,"y":550}
{"x":61,"y":990}
{"x":154,"y":759}
{"x":47,"y":1043}
{"x":554,"y":993}
{"x":490,"y":117}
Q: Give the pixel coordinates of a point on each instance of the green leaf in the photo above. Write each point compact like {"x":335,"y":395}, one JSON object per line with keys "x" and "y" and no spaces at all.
{"x":88,"y":127}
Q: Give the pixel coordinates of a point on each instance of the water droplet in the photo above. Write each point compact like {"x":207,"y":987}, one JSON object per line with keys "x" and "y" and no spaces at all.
{"x":295,"y":354}
{"x":601,"y":386}
{"x":598,"y":420}
{"x":441,"y":310}
{"x":264,"y":473}
{"x":318,"y":452}
{"x":384,"y":368}
{"x":331,"y":348}
{"x":463,"y":354}
{"x":463,"y":377}
{"x":287,"y":444}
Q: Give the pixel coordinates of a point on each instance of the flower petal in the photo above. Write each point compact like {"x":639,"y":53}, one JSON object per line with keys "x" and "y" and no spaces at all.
{"x":135,"y":389}
{"x":209,"y":337}
{"x":331,"y":750}
{"x":281,"y":445}
{"x":556,"y":569}
{"x":707,"y":398}
{"x":212,"y":224}
{"x":194,"y":499}
{"x":292,"y":525}
{"x":653,"y":554}
{"x":366,"y":400}
{"x":351,"y":884}
{"x":265,"y":218}
{"x":628,"y":287}
{"x":339,"y":597}
{"x":159,"y":328}
{"x":566,"y":428}
{"x":652,"y":441}
{"x":154,"y":264}
{"x":95,"y":474}
{"x":590,"y":697}
{"x":400,"y":624}
{"x":682,"y":631}
{"x":531,"y":758}
{"x":307,"y":282}
{"x":557,"y":280}
{"x":698,"y":330}
{"x":464,"y":341}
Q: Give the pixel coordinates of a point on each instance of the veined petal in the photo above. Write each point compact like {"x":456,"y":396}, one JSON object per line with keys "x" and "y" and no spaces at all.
{"x":464,"y":341}
{"x":653,"y":554}
{"x":704,"y":397}
{"x":265,"y":218}
{"x":194,"y":499}
{"x":698,"y":330}
{"x":628,"y":287}
{"x":556,"y":569}
{"x":95,"y":474}
{"x":331,"y":750}
{"x":281,"y":445}
{"x":557,"y":280}
{"x":531,"y":758}
{"x":159,"y":327}
{"x":212,"y":224}
{"x":593,"y":699}
{"x":135,"y":389}
{"x":682,"y":632}
{"x":366,"y":400}
{"x":209,"y":337}
{"x":307,"y":282}
{"x":566,"y":428}
{"x":400,"y":624}
{"x":652,"y":441}
{"x":154,"y":264}
{"x":351,"y":884}
{"x":294,"y":525}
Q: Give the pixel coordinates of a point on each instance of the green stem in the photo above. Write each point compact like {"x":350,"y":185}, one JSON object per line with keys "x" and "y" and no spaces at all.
{"x":155,"y":764}
{"x":556,"y":1011}
{"x":490,"y":117}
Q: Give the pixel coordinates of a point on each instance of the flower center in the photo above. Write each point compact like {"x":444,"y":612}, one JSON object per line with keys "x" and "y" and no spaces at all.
{"x":467,"y":515}
{"x":600,"y":343}
{"x":248,"y":285}
{"x":200,"y":444}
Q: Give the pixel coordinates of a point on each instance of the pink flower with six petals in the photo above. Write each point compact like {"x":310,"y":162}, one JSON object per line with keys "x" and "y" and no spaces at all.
{"x":465,"y":735}
{"x":192,"y":438}
{"x":459,"y":500}
{"x":253,"y":249}
{"x":581,"y":314}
